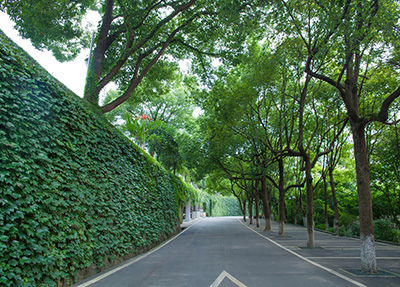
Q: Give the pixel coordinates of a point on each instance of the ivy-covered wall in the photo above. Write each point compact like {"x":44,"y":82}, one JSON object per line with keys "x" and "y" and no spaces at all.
{"x":75,"y":193}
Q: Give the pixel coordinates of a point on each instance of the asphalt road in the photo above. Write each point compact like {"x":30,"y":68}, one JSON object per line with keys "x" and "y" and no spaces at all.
{"x":220,"y":252}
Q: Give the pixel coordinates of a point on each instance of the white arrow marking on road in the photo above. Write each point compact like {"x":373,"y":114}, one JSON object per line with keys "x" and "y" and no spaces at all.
{"x":224,"y":275}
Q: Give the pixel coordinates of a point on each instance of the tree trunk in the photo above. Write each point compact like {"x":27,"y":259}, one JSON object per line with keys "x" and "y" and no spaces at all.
{"x":257,"y":199}
{"x":266,"y":206}
{"x":251,"y":211}
{"x":326,"y":203}
{"x":301,"y":207}
{"x":368,"y":254}
{"x":296,"y":209}
{"x":309,"y":207}
{"x":281,"y":213}
{"x":281,"y":199}
{"x":335,"y":203}
{"x":242,"y":206}
{"x":96,"y":66}
{"x":244,"y":210}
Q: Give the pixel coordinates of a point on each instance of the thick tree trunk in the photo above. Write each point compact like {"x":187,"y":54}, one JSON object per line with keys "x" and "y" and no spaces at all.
{"x":96,"y":65}
{"x":266,"y":205}
{"x":335,"y":203}
{"x":368,"y":254}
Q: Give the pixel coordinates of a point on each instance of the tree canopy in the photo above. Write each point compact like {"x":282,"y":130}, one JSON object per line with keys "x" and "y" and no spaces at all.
{"x":133,"y":36}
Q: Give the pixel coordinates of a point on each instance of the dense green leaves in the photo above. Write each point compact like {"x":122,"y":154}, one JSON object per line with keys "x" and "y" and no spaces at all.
{"x":55,"y":25}
{"x":74,"y":191}
{"x":132,"y":36}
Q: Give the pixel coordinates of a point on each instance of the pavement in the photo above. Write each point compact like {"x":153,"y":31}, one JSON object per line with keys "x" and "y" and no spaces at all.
{"x":339,"y":254}
{"x":223,"y":252}
{"x":186,"y":224}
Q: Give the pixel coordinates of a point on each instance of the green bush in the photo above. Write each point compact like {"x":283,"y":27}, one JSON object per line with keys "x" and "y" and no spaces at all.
{"x":350,"y":230}
{"x":397,"y":235}
{"x":383,"y":230}
{"x":74,"y":191}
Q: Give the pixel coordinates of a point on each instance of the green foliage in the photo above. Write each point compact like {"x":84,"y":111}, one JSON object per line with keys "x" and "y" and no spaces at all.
{"x":74,"y":191}
{"x":218,"y":205}
{"x":383,"y":229}
{"x":385,"y":177}
{"x":133,"y":35}
{"x":137,"y":127}
{"x":162,"y":142}
{"x":226,"y":206}
{"x":55,"y":25}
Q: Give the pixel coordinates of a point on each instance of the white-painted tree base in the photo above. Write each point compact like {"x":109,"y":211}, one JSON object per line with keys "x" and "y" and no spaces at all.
{"x":368,"y":254}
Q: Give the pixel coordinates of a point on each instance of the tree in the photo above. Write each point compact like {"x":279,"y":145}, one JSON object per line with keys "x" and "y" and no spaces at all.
{"x":53,"y":25}
{"x":132,"y":35}
{"x":356,"y":37}
{"x":162,"y":143}
{"x":385,"y":166}
{"x":165,"y":94}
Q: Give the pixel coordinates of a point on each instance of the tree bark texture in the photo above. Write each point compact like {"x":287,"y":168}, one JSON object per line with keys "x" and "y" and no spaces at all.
{"x":335,"y":203}
{"x":281,"y":199}
{"x":326,"y":203}
{"x":250,"y":211}
{"x":244,"y":210}
{"x":257,"y":199}
{"x":368,"y":254}
{"x":309,"y":207}
{"x":267,"y":210}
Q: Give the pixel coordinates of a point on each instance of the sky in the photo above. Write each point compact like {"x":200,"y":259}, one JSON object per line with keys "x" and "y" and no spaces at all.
{"x":72,"y":74}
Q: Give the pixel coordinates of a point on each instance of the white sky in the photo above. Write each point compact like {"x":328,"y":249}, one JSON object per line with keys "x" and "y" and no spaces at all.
{"x":72,"y":74}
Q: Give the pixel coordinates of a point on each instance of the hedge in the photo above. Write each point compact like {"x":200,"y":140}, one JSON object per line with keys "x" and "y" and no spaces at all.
{"x":75,"y":193}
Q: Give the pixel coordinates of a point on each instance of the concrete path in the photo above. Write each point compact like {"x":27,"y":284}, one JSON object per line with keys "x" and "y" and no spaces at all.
{"x":227,"y":252}
{"x":339,"y":254}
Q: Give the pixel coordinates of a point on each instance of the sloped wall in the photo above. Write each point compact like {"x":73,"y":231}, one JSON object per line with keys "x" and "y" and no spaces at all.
{"x":75,"y":193}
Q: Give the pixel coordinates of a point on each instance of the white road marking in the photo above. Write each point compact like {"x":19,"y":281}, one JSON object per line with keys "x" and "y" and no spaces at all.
{"x":308,"y":260}
{"x":224,"y":275}
{"x":133,"y":260}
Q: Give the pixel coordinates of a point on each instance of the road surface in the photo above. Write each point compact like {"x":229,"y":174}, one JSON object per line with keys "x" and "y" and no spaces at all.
{"x":221,"y":252}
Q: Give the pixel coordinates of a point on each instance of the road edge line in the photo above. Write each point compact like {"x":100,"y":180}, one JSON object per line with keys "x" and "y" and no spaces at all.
{"x":306,"y":259}
{"x":134,"y":260}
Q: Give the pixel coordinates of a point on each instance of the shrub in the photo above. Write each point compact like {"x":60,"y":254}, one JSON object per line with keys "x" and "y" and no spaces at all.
{"x":384,"y":231}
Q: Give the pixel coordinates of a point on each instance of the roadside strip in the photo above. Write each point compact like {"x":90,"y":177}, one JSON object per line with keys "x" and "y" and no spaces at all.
{"x":306,"y":259}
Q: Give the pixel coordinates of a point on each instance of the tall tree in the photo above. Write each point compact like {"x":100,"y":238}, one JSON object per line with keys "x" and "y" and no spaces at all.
{"x":132,"y":35}
{"x":357,"y":37}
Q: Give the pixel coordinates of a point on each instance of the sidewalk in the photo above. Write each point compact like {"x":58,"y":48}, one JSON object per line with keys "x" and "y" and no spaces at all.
{"x":186,"y":224}
{"x":340,"y":254}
